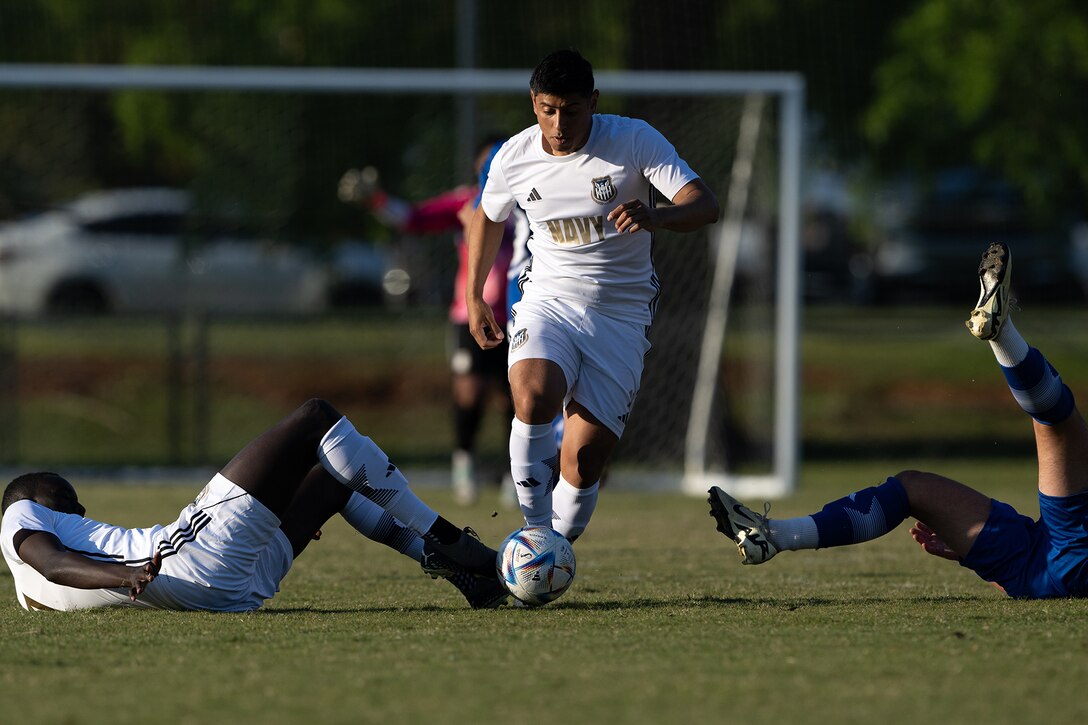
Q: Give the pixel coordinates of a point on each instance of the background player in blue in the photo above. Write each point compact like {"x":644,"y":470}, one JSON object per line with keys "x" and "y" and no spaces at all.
{"x":1024,"y":558}
{"x":587,"y":183}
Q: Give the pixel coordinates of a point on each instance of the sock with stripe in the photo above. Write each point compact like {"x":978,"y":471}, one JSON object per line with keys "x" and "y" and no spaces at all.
{"x":534,"y":465}
{"x":859,"y":517}
{"x":377,"y":524}
{"x":1033,"y":381}
{"x":355,"y":461}
{"x":572,"y":508}
{"x":863,"y":515}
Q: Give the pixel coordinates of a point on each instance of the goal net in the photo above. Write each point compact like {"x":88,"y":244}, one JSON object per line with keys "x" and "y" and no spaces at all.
{"x":719,"y":397}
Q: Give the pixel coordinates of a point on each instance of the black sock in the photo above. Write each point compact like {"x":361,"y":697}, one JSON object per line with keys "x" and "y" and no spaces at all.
{"x":444,"y":532}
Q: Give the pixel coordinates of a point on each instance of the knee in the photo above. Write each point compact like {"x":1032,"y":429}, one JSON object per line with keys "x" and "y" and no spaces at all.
{"x":316,"y":415}
{"x":537,"y":388}
{"x":537,"y":404}
{"x":918,"y":484}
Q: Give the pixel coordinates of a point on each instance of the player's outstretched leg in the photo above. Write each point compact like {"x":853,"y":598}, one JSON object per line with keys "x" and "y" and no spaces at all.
{"x":358,"y":463}
{"x":1034,"y":382}
{"x":1061,"y":435}
{"x":861,"y":516}
{"x":379,"y":525}
{"x":321,"y":496}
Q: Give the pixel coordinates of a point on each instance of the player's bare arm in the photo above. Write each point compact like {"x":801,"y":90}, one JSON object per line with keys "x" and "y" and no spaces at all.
{"x":44,"y":552}
{"x":693,"y":207}
{"x":484,"y":239}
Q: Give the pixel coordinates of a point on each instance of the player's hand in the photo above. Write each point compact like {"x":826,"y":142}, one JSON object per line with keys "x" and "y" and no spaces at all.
{"x":357,"y":185}
{"x":633,"y":216}
{"x":481,"y":323}
{"x":931,"y":543}
{"x":141,"y":576}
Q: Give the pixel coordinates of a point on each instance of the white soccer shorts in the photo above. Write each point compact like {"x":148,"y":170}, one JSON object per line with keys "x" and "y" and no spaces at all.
{"x":602,"y":357}
{"x":226,"y":553}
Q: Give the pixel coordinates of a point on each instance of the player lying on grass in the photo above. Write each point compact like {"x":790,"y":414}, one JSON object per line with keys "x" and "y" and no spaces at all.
{"x":229,"y":549}
{"x":1025,"y":558}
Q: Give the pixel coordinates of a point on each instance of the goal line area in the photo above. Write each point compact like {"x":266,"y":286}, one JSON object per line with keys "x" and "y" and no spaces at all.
{"x":720,"y":394}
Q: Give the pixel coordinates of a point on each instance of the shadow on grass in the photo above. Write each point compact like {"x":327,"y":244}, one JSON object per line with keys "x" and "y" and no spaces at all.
{"x":785,"y":603}
{"x":788,"y":604}
{"x":427,"y":608}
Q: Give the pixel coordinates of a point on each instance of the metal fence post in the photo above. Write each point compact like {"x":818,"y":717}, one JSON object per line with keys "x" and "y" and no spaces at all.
{"x":9,"y":390}
{"x":200,"y":384}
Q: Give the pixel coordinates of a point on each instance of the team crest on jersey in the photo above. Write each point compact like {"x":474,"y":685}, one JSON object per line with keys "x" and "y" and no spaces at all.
{"x":604,"y":190}
{"x":520,"y":338}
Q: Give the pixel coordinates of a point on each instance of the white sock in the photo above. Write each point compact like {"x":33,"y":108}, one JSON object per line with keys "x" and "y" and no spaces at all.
{"x":377,"y":524}
{"x":794,"y":534}
{"x":1009,"y":347}
{"x":355,"y":461}
{"x":573,"y":507}
{"x":534,"y":464}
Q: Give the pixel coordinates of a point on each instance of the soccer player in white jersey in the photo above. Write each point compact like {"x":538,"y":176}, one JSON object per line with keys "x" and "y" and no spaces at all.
{"x":587,"y":183}
{"x":229,"y":549}
{"x":1025,"y":558}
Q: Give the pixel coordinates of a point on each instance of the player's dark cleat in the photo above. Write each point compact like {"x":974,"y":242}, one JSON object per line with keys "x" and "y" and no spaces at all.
{"x":745,"y":527}
{"x":467,"y":554}
{"x":479,"y":592}
{"x":992,"y":308}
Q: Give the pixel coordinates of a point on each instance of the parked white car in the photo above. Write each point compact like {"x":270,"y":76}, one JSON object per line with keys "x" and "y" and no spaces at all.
{"x":134,"y":250}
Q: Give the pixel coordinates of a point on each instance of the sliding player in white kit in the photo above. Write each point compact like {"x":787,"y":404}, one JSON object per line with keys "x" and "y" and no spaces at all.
{"x":229,"y":549}
{"x":587,"y":184}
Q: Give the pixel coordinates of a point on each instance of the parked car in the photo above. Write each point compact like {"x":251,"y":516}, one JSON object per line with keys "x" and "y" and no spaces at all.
{"x":143,"y":250}
{"x":931,"y":241}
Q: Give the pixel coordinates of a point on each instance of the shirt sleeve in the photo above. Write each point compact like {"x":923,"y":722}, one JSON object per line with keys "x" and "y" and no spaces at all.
{"x":660,"y":163}
{"x":496,"y":199}
{"x":439,"y":214}
{"x":22,"y":515}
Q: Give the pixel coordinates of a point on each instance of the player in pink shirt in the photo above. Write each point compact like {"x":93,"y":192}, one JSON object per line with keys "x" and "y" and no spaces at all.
{"x":475,"y":372}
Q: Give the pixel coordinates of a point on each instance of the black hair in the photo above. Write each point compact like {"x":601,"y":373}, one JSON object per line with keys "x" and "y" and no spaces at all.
{"x":24,"y":487}
{"x":563,"y":73}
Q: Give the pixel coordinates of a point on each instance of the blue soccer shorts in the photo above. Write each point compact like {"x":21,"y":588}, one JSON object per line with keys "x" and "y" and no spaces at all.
{"x":1035,"y":559}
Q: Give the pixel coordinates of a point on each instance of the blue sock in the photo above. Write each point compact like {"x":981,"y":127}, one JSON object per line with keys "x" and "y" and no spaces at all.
{"x":1039,"y":389}
{"x":862,"y":515}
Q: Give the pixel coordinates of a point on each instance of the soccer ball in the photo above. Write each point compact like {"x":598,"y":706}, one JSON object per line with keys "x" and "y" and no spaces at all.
{"x":536,"y":565}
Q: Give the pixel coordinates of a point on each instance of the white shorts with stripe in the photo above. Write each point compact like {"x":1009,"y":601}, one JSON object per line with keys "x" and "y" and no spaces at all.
{"x":225,"y":552}
{"x":602,"y":357}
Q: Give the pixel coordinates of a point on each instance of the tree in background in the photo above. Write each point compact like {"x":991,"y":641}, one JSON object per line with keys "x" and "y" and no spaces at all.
{"x":995,"y":83}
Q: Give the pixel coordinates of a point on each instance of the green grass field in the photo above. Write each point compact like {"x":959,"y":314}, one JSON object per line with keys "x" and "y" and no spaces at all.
{"x":662,"y":625}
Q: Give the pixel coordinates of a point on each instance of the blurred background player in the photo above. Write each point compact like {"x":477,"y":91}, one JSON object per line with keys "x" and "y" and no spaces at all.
{"x":1024,"y":558}
{"x":476,"y":374}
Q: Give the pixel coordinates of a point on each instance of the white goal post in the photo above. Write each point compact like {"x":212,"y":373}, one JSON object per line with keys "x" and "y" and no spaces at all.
{"x":692,"y":474}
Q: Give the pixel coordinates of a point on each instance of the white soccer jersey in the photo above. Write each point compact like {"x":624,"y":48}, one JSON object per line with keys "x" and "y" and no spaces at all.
{"x":197,"y":552}
{"x":91,"y":538}
{"x":576,"y":252}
